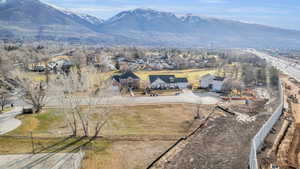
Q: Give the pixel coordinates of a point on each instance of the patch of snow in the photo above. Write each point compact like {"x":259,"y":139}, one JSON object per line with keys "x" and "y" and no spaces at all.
{"x":148,"y":13}
{"x":119,"y":16}
{"x":195,"y":18}
{"x":89,"y":18}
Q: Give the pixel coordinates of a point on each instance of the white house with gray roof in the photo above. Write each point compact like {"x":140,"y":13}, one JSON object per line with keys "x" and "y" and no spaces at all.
{"x":167,"y":82}
{"x":214,"y":83}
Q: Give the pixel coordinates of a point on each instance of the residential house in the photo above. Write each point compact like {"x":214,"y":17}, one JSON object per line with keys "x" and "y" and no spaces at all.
{"x":56,"y":64}
{"x":213,"y":83}
{"x":126,"y":79}
{"x":167,"y":82}
{"x":60,"y":65}
{"x":181,"y":83}
{"x":206,"y":80}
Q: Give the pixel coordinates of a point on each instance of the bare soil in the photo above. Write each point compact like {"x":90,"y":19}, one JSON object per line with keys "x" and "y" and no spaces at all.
{"x":222,"y":143}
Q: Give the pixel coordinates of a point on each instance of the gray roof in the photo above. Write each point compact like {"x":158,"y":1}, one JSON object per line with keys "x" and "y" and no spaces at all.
{"x":165,"y":78}
{"x":116,"y":78}
{"x":128,"y":74}
{"x":125,"y":75}
{"x":181,"y":80}
{"x":218,"y":78}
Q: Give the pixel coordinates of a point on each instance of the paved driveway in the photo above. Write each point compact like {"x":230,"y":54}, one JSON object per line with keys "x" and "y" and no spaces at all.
{"x":209,"y":97}
{"x":8,"y":122}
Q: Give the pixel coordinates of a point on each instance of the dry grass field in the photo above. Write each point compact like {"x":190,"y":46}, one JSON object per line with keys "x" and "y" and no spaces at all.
{"x":123,"y":154}
{"x":165,"y":123}
{"x":135,"y":120}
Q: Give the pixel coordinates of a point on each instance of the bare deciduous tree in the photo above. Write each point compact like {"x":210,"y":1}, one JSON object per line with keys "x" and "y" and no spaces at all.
{"x":35,"y":94}
{"x":82,"y":120}
{"x":4,"y":99}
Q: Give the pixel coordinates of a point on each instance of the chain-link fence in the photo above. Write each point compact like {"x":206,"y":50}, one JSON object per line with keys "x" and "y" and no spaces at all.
{"x":258,"y":139}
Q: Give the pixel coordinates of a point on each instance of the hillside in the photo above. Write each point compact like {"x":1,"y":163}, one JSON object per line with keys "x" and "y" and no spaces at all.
{"x":135,"y":27}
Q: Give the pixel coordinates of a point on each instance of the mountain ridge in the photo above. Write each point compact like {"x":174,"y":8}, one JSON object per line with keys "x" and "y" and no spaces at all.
{"x":136,"y":27}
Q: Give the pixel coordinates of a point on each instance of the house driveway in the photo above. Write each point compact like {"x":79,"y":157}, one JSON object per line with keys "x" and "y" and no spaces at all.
{"x":8,"y":122}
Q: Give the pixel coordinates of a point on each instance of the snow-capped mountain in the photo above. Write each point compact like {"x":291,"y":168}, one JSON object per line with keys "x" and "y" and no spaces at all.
{"x":89,"y":18}
{"x":143,"y":20}
{"x":34,"y":16}
{"x":190,"y":30}
{"x":36,"y":19}
{"x":148,"y":14}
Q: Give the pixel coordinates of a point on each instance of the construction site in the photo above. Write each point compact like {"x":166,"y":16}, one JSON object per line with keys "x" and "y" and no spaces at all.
{"x":281,"y":148}
{"x":222,"y":140}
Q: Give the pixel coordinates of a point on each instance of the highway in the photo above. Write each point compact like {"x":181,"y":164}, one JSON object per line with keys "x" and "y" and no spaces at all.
{"x":285,"y":66}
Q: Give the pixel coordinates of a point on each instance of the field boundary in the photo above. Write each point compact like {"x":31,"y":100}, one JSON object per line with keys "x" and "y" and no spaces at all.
{"x":184,"y":138}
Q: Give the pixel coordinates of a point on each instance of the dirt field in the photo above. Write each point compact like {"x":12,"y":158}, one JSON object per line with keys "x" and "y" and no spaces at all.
{"x":222,"y":143}
{"x":125,"y":155}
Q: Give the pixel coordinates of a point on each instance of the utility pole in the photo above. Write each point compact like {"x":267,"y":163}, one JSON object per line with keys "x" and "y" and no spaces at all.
{"x":32,"y":144}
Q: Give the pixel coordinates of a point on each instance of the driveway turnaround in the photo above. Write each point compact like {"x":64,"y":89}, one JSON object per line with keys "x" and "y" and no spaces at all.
{"x":8,"y":122}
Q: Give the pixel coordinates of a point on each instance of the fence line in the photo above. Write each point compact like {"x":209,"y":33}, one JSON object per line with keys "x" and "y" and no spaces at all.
{"x":258,"y":139}
{"x":179,"y":141}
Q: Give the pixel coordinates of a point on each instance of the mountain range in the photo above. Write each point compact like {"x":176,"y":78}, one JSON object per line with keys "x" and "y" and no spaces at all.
{"x":37,"y":20}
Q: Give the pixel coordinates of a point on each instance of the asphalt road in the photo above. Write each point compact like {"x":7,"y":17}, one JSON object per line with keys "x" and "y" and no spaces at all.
{"x":186,"y":97}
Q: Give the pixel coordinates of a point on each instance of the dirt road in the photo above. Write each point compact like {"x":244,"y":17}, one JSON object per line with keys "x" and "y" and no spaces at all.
{"x":292,"y":151}
{"x":285,"y":149}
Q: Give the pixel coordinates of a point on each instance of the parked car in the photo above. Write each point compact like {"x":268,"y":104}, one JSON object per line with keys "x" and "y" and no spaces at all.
{"x":27,"y":111}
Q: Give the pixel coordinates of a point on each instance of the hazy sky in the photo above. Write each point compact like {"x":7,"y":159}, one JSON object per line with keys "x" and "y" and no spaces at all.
{"x":280,"y":13}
